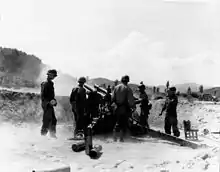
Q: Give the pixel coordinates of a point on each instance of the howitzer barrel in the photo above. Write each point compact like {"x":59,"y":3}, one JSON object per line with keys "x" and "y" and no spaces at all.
{"x":79,"y":146}
{"x":88,"y":87}
{"x":91,"y":89}
{"x":100,"y":89}
{"x":106,"y":92}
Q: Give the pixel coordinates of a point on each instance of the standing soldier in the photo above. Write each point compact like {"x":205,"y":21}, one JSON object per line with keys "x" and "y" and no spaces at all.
{"x":123,"y":98}
{"x":144,"y":105}
{"x":78,"y":102}
{"x":48,"y":102}
{"x":171,"y":114}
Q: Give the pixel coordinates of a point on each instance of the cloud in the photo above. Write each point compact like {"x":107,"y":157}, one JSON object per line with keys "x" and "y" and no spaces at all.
{"x":144,"y":59}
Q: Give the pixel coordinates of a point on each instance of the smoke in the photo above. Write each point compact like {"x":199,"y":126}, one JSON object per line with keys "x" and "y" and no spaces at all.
{"x":63,"y":83}
{"x":19,"y":68}
{"x":29,"y":68}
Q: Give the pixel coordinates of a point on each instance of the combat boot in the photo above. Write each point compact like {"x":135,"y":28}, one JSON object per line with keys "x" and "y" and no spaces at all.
{"x":114,"y":136}
{"x":122,"y":136}
{"x":53,"y":135}
{"x":43,"y":131}
{"x":53,"y":132}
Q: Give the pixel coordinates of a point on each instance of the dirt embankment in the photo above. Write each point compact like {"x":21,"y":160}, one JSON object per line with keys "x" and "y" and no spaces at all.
{"x":18,"y":107}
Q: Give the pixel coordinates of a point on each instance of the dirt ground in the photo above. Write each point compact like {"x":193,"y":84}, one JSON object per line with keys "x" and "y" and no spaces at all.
{"x":23,"y":149}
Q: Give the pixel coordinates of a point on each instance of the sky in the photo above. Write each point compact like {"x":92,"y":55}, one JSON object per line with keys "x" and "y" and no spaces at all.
{"x":150,"y":40}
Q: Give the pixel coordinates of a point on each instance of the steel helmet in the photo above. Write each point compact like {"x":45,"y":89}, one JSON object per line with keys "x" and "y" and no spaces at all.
{"x":125,"y":78}
{"x":142,"y":86}
{"x":52,"y":72}
{"x":82,"y":80}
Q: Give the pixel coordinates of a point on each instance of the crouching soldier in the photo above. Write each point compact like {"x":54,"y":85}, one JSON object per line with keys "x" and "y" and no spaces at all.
{"x":171,"y":112}
{"x":144,"y":105}
{"x":123,"y":98}
{"x":48,"y":102}
{"x":78,"y":102}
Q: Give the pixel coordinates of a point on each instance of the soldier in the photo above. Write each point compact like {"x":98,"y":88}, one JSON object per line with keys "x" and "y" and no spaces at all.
{"x":48,"y":102}
{"x":171,"y":114}
{"x":144,"y":105}
{"x":94,"y":100}
{"x":78,"y":102}
{"x":123,"y":98}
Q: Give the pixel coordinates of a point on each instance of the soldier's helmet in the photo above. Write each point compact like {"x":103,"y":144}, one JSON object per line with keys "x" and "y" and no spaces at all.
{"x":125,"y":78}
{"x":52,"y":72}
{"x":82,"y":80}
{"x":142,"y":86}
{"x":173,"y":89}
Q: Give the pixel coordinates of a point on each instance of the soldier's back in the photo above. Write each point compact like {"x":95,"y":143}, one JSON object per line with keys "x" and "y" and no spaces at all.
{"x":120,"y":92}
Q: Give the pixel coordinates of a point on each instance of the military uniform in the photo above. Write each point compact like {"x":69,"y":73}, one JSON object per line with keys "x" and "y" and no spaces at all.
{"x":123,"y":98}
{"x":49,"y":118}
{"x":171,"y":121}
{"x":78,"y":102}
{"x":145,"y":108}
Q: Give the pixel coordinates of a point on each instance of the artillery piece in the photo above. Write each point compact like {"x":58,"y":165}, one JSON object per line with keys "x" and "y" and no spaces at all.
{"x":106,"y":118}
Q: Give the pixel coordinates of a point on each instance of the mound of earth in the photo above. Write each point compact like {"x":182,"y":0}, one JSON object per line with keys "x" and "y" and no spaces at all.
{"x":19,"y":107}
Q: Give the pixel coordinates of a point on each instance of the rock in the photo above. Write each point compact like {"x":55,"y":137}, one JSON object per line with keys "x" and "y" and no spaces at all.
{"x":204,"y":157}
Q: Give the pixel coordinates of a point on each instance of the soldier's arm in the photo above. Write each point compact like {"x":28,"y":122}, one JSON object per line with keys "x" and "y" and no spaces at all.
{"x":164,"y":107}
{"x":174,"y":101}
{"x":131,"y":99}
{"x":44,"y":92}
{"x":138,"y":101}
{"x":72,"y":95}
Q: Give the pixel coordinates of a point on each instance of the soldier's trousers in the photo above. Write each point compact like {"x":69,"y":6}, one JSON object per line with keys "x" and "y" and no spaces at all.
{"x":171,"y":122}
{"x":122,"y":114}
{"x":94,"y":112}
{"x":49,"y":119}
{"x":144,"y":118}
{"x":80,"y":119}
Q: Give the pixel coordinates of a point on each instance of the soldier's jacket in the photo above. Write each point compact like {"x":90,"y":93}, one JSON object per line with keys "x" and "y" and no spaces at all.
{"x":170,"y":106}
{"x":47,"y":91}
{"x":79,"y":98}
{"x":123,"y":95}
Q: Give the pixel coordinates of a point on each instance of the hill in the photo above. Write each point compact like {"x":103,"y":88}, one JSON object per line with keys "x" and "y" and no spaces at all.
{"x":183,"y":87}
{"x":20,"y":70}
{"x":100,"y":81}
{"x":180,"y":87}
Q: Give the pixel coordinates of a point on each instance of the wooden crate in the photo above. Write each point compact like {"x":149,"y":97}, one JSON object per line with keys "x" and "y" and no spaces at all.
{"x":190,"y":134}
